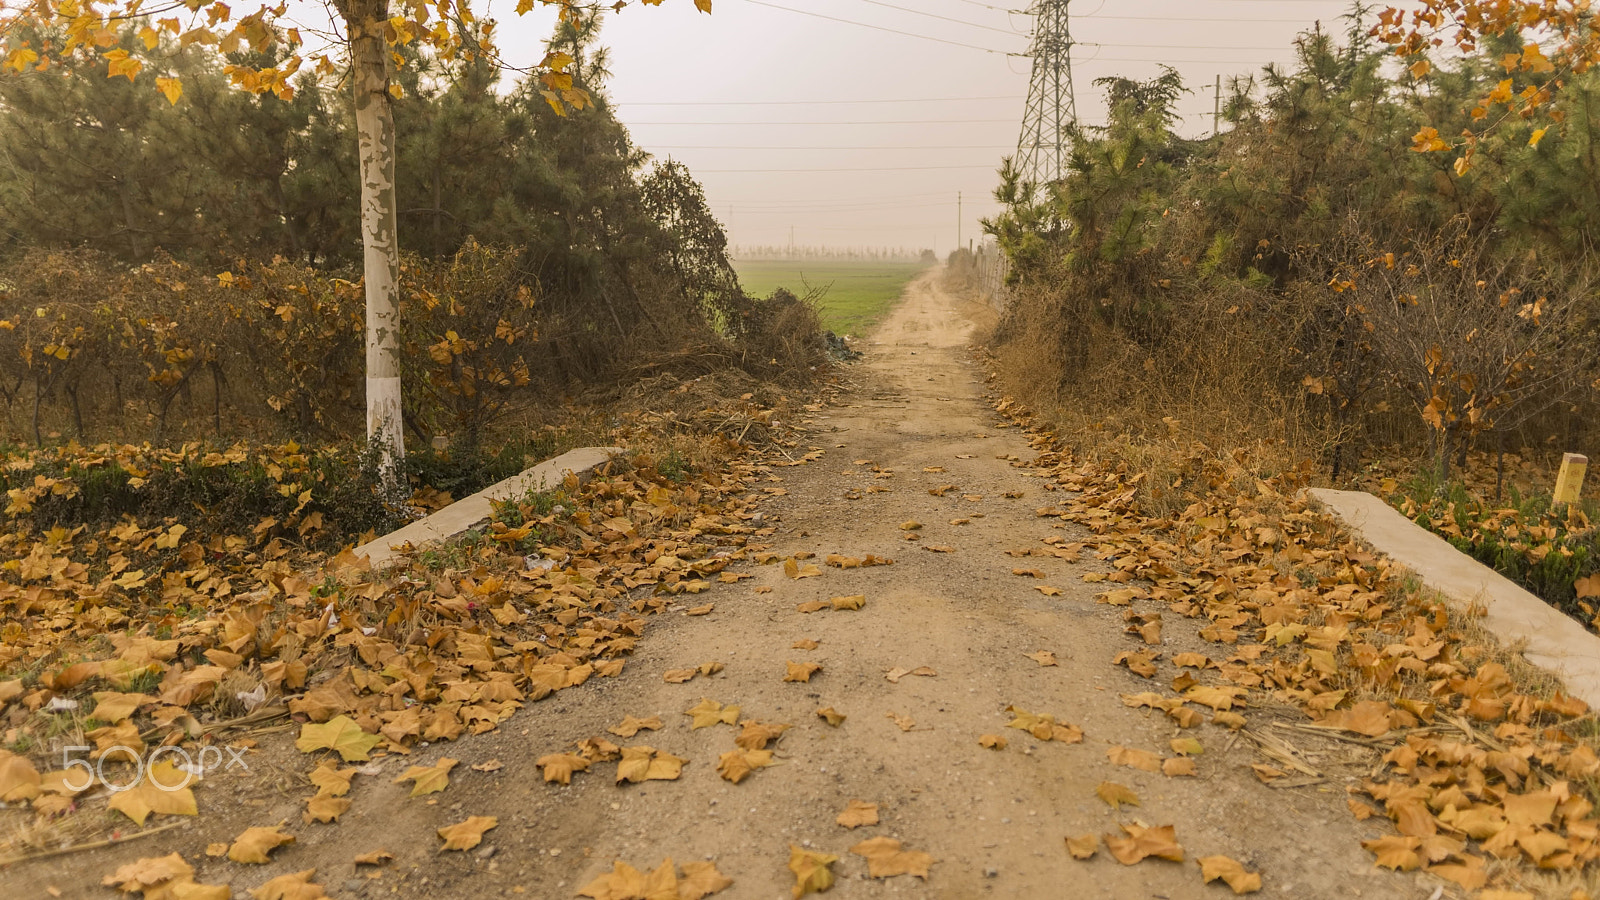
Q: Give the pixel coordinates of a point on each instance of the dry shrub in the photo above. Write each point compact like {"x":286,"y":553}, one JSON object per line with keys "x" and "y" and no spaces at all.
{"x":93,"y":348}
{"x":1215,"y":376}
{"x":784,"y":337}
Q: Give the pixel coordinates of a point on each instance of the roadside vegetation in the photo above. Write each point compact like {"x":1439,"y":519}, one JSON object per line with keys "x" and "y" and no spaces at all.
{"x":1321,"y":288}
{"x":182,"y":418}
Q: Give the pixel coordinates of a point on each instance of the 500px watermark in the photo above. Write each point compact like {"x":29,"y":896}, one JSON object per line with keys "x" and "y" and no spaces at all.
{"x":210,"y":758}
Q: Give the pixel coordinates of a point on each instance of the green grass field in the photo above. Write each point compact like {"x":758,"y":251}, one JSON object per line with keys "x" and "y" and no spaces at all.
{"x":858,"y":293}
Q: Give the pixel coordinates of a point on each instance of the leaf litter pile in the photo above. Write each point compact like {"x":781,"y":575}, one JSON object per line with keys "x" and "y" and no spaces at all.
{"x":189,"y":640}
{"x":1486,"y":782}
{"x":1489,"y":784}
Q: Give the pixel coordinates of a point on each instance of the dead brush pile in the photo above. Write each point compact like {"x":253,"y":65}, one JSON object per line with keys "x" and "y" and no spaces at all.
{"x":1486,"y":769}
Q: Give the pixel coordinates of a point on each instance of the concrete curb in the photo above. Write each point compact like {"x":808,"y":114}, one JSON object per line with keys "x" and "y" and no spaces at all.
{"x":463,"y":514}
{"x":1550,"y":639}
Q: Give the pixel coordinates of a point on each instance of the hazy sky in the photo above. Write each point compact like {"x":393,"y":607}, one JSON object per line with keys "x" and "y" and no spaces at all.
{"x":858,"y":136}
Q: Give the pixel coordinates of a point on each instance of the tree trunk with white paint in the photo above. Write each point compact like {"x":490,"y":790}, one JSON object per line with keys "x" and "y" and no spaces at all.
{"x":369,"y":58}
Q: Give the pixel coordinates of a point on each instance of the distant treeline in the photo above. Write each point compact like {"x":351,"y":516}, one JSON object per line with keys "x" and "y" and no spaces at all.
{"x":835,"y":254}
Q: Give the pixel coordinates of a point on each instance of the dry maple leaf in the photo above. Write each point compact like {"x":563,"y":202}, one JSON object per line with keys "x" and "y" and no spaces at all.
{"x":992,"y":742}
{"x":296,"y":886}
{"x":906,"y":723}
{"x":831,"y":716}
{"x":709,"y":712}
{"x":429,"y":779}
{"x":885,"y":858}
{"x":468,"y":834}
{"x":332,"y":780}
{"x":624,"y":882}
{"x":1186,"y":746}
{"x":804,"y":644}
{"x":757,"y":735}
{"x":1230,"y":871}
{"x":113,"y":707}
{"x":648,"y":764}
{"x":255,"y":844}
{"x":152,"y":871}
{"x":1470,"y":874}
{"x":598,"y":749}
{"x":1230,"y":720}
{"x":1185,"y":717}
{"x":1083,"y":846}
{"x":1116,"y":795}
{"x":701,"y":879}
{"x":801,"y":671}
{"x":1142,"y":842}
{"x":812,"y":871}
{"x":375,"y":858}
{"x":811,"y":606}
{"x":678,"y":676}
{"x":1396,"y":851}
{"x":631,"y":726}
{"x":795,"y":570}
{"x":340,"y":734}
{"x":854,"y":601}
{"x":558,"y":767}
{"x":736,"y":765}
{"x":489,"y":765}
{"x":700,"y":610}
{"x":858,"y":813}
{"x":155,"y":794}
{"x":19,"y":780}
{"x":1218,"y":698}
{"x":1136,"y":759}
{"x":1139,"y":662}
{"x":938,"y":548}
{"x":1372,"y":718}
{"x":894,"y":675}
{"x":1044,"y":727}
{"x":1047,"y":590}
{"x":325,"y":808}
{"x":1178,"y":766}
{"x":1042,"y":657}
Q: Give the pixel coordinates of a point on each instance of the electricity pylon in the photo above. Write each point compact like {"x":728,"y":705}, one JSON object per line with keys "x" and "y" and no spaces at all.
{"x":1047,"y":122}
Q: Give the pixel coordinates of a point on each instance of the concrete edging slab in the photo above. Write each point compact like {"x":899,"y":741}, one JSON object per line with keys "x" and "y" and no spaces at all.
{"x":1550,"y":639}
{"x":463,"y":514}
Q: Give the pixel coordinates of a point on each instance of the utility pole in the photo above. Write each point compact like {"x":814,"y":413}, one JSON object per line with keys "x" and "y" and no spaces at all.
{"x":958,"y":220}
{"x":1051,"y":113}
{"x":1216,"y":108}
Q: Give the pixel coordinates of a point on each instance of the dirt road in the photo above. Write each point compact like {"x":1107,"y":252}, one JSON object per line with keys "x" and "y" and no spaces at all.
{"x":995,"y":820}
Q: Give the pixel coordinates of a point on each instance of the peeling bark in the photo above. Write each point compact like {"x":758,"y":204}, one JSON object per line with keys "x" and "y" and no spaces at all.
{"x":364,"y":20}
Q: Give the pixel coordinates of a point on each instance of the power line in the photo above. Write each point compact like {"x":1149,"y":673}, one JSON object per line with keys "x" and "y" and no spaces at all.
{"x":913,"y":34}
{"x":1194,"y":19}
{"x":989,"y":166}
{"x":853,"y":199}
{"x":769,"y":147}
{"x":806,"y":102}
{"x":918,"y":12}
{"x":991,"y":6}
{"x":1174,"y":46}
{"x":882,"y":122}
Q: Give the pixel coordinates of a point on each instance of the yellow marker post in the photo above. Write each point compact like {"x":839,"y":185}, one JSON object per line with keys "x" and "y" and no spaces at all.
{"x":1569,"y":483}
